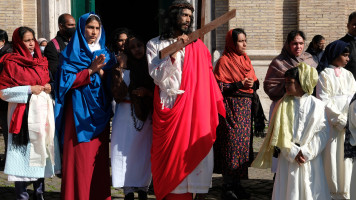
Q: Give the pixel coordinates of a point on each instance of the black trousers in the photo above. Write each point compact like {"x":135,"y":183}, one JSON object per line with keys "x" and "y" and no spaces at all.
{"x":3,"y":125}
{"x":21,"y":189}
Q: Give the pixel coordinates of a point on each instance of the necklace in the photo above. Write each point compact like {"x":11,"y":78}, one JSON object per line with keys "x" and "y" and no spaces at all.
{"x":135,"y":120}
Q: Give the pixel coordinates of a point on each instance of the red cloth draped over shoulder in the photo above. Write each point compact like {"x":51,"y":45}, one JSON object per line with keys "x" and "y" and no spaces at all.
{"x":234,"y":67}
{"x":20,"y":69}
{"x":184,"y":134}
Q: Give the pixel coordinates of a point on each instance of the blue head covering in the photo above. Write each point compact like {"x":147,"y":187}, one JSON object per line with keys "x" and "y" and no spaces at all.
{"x":91,"y":105}
{"x":332,"y":51}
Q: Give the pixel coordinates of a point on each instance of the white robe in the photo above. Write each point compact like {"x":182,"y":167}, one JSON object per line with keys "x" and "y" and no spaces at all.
{"x":352,"y":127}
{"x":130,"y":149}
{"x":310,"y":131}
{"x":168,"y":77}
{"x":336,"y":92}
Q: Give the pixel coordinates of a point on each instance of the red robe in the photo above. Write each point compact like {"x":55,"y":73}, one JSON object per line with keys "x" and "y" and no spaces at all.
{"x":85,"y":167}
{"x":184,"y":134}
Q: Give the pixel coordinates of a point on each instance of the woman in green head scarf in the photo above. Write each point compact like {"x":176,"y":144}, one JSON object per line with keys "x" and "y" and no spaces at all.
{"x":298,"y":128}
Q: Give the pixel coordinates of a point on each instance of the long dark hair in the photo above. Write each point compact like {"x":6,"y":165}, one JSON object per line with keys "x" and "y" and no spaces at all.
{"x":114,"y":37}
{"x":3,"y":36}
{"x":141,"y":107}
{"x":139,"y":77}
{"x":25,"y":29}
{"x":171,"y":17}
{"x":236,"y":32}
{"x":291,"y":35}
{"x":316,"y":39}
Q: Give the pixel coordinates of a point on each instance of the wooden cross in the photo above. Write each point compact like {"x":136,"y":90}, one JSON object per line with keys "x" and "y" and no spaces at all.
{"x":197,"y":34}
{"x":201,"y":15}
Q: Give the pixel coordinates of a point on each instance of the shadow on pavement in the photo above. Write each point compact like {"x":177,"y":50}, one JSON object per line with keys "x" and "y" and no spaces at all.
{"x":8,"y":193}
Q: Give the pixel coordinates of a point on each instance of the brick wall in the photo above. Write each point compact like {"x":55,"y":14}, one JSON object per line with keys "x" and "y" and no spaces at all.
{"x":267,"y":22}
{"x":286,"y":20}
{"x":30,"y":14}
{"x":257,"y":18}
{"x":327,"y":18}
{"x":11,"y":15}
{"x":16,"y":13}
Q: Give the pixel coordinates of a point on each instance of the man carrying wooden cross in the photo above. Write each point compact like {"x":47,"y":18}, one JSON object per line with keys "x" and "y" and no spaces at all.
{"x":187,"y":101}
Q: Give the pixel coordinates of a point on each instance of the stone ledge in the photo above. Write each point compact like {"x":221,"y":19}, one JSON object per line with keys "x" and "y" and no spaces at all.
{"x":258,"y":57}
{"x":262,"y":54}
{"x":260,"y":62}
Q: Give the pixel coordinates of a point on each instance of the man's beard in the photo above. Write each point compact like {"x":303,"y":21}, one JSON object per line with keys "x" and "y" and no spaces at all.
{"x":184,"y":30}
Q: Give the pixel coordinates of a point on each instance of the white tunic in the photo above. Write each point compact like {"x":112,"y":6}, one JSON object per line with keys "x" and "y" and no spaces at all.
{"x":352,"y":126}
{"x":18,"y":166}
{"x":310,"y":131}
{"x":337,"y":92}
{"x":168,"y":77}
{"x":130,"y":149}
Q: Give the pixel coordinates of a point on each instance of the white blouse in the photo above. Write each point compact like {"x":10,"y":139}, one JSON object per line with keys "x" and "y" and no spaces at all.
{"x":336,"y":92}
{"x":166,"y":75}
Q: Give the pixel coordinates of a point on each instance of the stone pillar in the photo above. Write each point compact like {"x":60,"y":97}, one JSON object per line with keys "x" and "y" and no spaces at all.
{"x":48,"y":15}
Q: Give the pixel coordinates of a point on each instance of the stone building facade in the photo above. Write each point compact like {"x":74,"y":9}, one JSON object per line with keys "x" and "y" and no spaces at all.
{"x":40,"y":15}
{"x":266,"y":22}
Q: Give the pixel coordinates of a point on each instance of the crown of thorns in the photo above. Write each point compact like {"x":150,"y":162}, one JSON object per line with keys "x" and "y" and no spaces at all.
{"x":182,"y":5}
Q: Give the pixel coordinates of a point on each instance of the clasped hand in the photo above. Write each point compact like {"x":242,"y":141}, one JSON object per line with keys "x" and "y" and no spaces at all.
{"x":97,"y":65}
{"x":37,"y":89}
{"x":247,"y":82}
{"x":300,"y":158}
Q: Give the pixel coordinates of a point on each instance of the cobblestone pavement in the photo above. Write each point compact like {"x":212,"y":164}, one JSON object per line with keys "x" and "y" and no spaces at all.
{"x":259,"y":184}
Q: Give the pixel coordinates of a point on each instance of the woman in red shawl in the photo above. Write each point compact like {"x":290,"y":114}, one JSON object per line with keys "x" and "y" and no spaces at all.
{"x":237,"y":80}
{"x":24,"y":81}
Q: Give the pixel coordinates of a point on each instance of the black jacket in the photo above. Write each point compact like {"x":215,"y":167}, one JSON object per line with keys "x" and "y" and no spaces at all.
{"x":351,"y":65}
{"x":7,"y":48}
{"x":53,"y":55}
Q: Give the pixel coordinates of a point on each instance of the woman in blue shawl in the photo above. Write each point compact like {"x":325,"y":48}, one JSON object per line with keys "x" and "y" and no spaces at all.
{"x":336,"y":87}
{"x":83,"y":111}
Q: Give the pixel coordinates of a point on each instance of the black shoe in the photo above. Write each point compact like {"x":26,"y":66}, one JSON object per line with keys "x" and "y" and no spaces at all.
{"x":228,"y":193}
{"x":199,"y":196}
{"x":241,"y":192}
{"x":142,"y":195}
{"x":129,"y":196}
{"x":2,"y":164}
{"x":38,"y":197}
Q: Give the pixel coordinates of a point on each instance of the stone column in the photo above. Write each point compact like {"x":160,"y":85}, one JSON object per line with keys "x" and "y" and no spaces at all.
{"x":48,"y":13}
